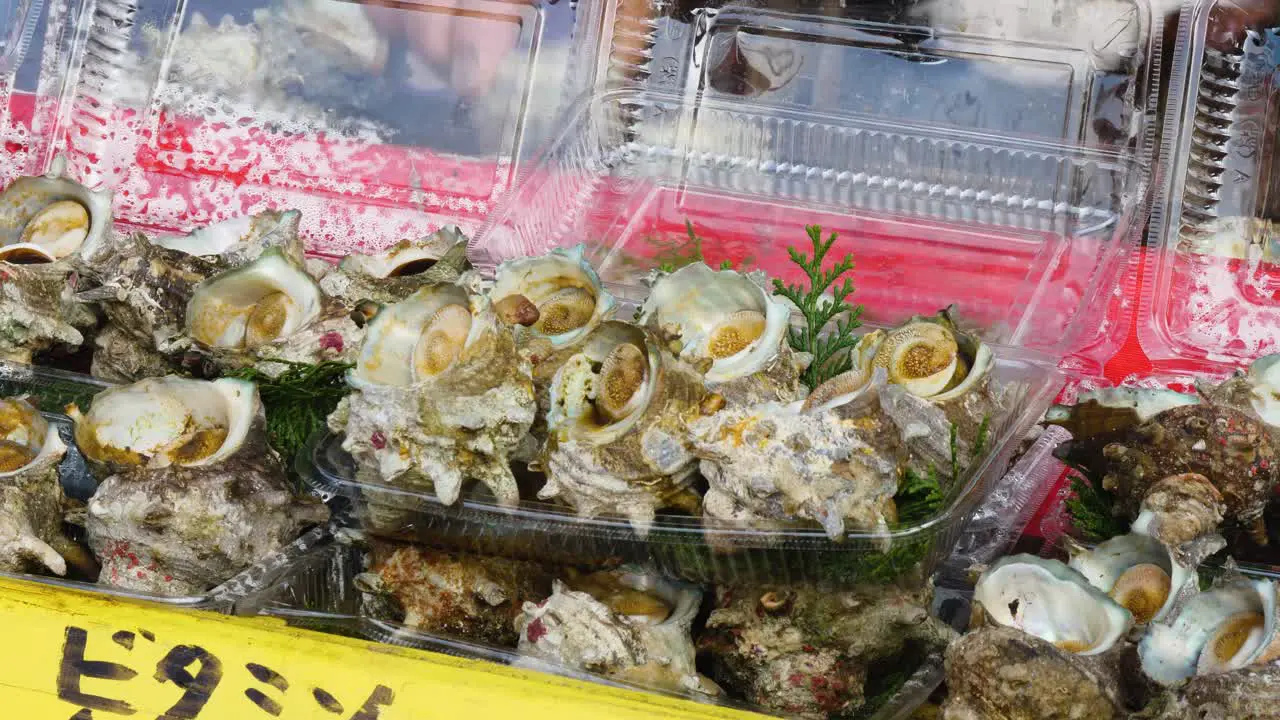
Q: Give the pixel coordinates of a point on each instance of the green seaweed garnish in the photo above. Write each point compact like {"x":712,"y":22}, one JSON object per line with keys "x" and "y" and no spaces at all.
{"x":1091,"y":509}
{"x":830,"y":351}
{"x":298,"y":400}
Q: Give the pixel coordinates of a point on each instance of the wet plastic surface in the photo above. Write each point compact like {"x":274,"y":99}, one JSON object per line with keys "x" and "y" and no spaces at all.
{"x":50,"y":391}
{"x":1212,"y":293}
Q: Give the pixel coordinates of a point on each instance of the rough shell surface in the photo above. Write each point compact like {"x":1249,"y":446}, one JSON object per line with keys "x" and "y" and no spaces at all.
{"x":31,"y":498}
{"x":772,"y":463}
{"x":700,"y":312}
{"x":1251,"y":692}
{"x":38,"y":310}
{"x":182,"y":530}
{"x":799,"y":652}
{"x":468,"y":596}
{"x":1234,"y":451}
{"x":397,"y":272}
{"x":119,"y":357}
{"x":574,"y":630}
{"x":1001,"y":673}
{"x":637,"y":464}
{"x":460,"y":425}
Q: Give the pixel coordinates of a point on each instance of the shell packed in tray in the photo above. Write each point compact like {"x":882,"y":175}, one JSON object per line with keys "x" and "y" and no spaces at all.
{"x":708,"y":401}
{"x":187,"y":488}
{"x":793,"y":651}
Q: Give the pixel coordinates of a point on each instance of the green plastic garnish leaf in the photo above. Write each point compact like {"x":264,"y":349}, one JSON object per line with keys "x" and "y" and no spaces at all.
{"x":298,"y":401}
{"x":830,"y":351}
{"x":919,"y":497}
{"x":1091,"y":509}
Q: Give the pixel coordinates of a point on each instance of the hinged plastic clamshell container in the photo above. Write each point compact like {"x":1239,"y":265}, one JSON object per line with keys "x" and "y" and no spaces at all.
{"x":1211,"y":292}
{"x":50,"y":391}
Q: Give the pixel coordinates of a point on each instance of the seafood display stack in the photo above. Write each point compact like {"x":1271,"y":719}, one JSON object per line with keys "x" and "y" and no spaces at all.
{"x":834,"y":363}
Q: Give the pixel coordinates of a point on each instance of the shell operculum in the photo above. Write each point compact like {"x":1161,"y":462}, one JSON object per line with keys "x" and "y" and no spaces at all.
{"x":1053,"y":602}
{"x":605,"y":387}
{"x":159,"y":422}
{"x":50,"y":217}
{"x":1225,"y":628}
{"x":262,"y":302}
{"x":565,"y":288}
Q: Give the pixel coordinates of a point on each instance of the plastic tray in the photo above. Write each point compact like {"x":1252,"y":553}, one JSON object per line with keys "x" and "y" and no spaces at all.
{"x":683,"y":546}
{"x":1212,"y":288}
{"x":317,"y":593}
{"x":51,"y":390}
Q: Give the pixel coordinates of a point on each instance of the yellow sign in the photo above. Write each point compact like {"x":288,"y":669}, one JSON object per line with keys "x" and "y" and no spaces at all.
{"x":76,"y":656}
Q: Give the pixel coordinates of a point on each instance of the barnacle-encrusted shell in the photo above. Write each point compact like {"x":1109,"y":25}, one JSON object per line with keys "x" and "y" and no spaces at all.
{"x":400,"y":270}
{"x":38,"y":310}
{"x":1251,"y":692}
{"x":31,"y":499}
{"x":618,"y":422}
{"x":180,"y":530}
{"x":442,"y":396}
{"x":159,"y":422}
{"x":1001,"y":673}
{"x":1051,"y":650}
{"x":468,"y":596}
{"x":1225,"y":628}
{"x":1144,"y":575}
{"x":770,"y":463}
{"x":1235,"y":452}
{"x":802,"y":652}
{"x":49,"y":217}
{"x":144,"y":287}
{"x":729,"y":320}
{"x":1256,"y":391}
{"x":574,"y":630}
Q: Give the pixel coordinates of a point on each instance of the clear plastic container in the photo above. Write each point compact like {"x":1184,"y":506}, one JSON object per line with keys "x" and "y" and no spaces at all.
{"x":1212,"y":284}
{"x":682,"y":546}
{"x":50,"y":391}
{"x":318,"y":593}
{"x":379,"y":121}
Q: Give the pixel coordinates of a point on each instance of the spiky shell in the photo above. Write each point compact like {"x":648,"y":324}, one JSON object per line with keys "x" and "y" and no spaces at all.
{"x":400,"y":270}
{"x":436,"y":431}
{"x":159,"y":422}
{"x":31,"y":498}
{"x":572,"y":629}
{"x":567,"y":291}
{"x":731,"y":321}
{"x":772,"y":464}
{"x":467,"y":596}
{"x":1226,"y":628}
{"x":144,"y":288}
{"x":803,"y":652}
{"x":180,"y":530}
{"x":633,"y":464}
{"x":267,"y":313}
{"x":31,"y":221}
{"x":1001,"y":673}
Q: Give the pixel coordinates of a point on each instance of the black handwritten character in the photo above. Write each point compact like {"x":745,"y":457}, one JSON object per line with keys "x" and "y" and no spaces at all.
{"x":197,"y":688}
{"x":74,"y":666}
{"x":327,"y":701}
{"x":266,"y":675}
{"x":381,"y":697}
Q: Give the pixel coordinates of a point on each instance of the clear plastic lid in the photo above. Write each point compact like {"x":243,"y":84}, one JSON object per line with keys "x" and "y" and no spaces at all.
{"x":377,"y":120}
{"x":382,"y":120}
{"x":1212,"y":287}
